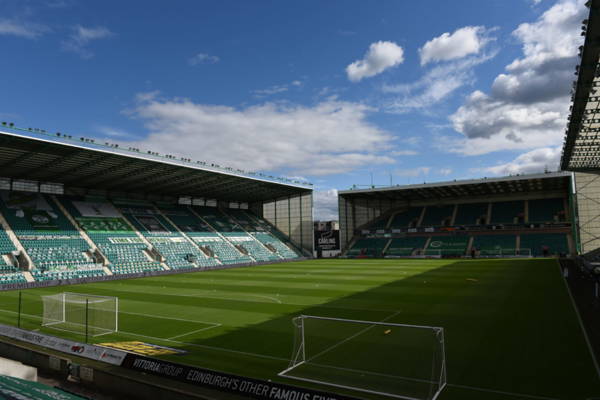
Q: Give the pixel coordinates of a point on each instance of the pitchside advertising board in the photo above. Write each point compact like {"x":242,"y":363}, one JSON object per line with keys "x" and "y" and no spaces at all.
{"x":248,"y":387}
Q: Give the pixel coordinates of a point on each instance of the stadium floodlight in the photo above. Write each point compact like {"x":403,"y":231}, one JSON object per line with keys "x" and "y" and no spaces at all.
{"x":396,"y":360}
{"x":86,"y":314}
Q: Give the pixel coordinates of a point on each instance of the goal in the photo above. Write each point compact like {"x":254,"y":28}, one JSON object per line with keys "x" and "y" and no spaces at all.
{"x":81,"y":313}
{"x":397,"y":360}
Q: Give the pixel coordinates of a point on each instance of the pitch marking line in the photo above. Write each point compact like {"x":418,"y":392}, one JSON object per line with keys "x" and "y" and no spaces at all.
{"x":585,"y":335}
{"x":196,"y":331}
{"x":173,"y":318}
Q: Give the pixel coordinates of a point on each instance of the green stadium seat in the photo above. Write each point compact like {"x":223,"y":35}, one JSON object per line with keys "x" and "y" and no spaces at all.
{"x":471,"y":214}
{"x":546,"y":210}
{"x":405,"y":246}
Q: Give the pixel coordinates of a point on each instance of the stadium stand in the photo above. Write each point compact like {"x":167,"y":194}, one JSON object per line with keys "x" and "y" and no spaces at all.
{"x":471,"y":214}
{"x":438,"y":215}
{"x":264,"y":233}
{"x":54,"y":245}
{"x":235,"y":233}
{"x":368,"y":247}
{"x":495,"y":245}
{"x":507,"y":212}
{"x":124,"y":250}
{"x":177,"y":250}
{"x":546,"y":210}
{"x":408,"y":218}
{"x":447,"y":245}
{"x":545,"y":244}
{"x":6,"y":247}
{"x":406,"y":246}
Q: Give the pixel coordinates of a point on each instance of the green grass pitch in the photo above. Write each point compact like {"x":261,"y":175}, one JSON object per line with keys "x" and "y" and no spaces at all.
{"x":511,"y":332}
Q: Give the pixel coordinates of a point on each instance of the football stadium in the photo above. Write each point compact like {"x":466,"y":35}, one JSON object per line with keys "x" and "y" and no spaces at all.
{"x":131,"y":273}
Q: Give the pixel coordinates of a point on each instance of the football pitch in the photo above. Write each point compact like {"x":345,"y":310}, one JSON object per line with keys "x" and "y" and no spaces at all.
{"x":511,"y":330}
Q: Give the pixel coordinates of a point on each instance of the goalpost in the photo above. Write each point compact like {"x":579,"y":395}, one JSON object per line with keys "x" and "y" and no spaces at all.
{"x":81,"y":313}
{"x":397,"y":360}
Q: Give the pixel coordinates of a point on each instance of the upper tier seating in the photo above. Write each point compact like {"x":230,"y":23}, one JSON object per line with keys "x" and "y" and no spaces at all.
{"x":408,"y":218}
{"x":471,"y":214}
{"x":378,"y":223}
{"x":405,"y":246}
{"x":372,"y":247}
{"x":545,"y":243}
{"x":508,"y":212}
{"x":447,"y":245}
{"x":51,"y":241}
{"x":215,"y":218}
{"x":495,"y":245}
{"x":546,"y":210}
{"x":438,"y":216}
{"x":177,"y":250}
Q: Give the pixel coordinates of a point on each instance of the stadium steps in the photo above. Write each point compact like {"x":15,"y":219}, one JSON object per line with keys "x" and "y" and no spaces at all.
{"x":15,"y":241}
{"x":194,"y":244}
{"x":142,"y":237}
{"x":107,"y":271}
{"x":257,"y":242}
{"x":75,"y":224}
{"x":470,"y":245}
{"x":386,"y":247}
{"x":219,"y":233}
{"x":275,"y":232}
{"x":28,"y":277}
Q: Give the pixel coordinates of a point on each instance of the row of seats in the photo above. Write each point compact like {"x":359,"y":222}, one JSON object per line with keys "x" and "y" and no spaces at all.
{"x":503,"y":212}
{"x":534,"y":244}
{"x":48,"y":237}
{"x":202,"y":234}
{"x":166,"y":239}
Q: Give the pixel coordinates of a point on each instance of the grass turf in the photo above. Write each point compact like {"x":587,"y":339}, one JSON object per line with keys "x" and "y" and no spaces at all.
{"x":510,"y":329}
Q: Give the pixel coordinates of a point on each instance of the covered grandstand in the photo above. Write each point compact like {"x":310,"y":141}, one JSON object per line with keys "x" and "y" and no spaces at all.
{"x":72,"y":209}
{"x":523,"y":215}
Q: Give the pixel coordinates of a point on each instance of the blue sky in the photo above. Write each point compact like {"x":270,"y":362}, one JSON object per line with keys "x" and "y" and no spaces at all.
{"x":334,"y":92}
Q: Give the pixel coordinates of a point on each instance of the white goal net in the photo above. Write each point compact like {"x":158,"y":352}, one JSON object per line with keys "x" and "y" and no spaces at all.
{"x":81,"y":313}
{"x":402,"y":361}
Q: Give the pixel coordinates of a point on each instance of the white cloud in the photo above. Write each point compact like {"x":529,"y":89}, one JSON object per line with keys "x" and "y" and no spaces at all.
{"x":325,"y":205}
{"x":413,"y":172}
{"x":81,"y":37}
{"x":396,"y":153}
{"x":203,"y":58}
{"x":328,"y":138}
{"x":436,"y":85}
{"x":275,"y":89}
{"x":528,"y":105}
{"x":538,"y":160}
{"x":461,"y":43}
{"x":21,"y":29}
{"x":380,"y":56}
{"x":445,"y":171}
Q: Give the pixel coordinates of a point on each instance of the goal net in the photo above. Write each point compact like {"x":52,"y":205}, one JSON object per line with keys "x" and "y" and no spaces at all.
{"x":81,"y":313}
{"x":402,"y":361}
